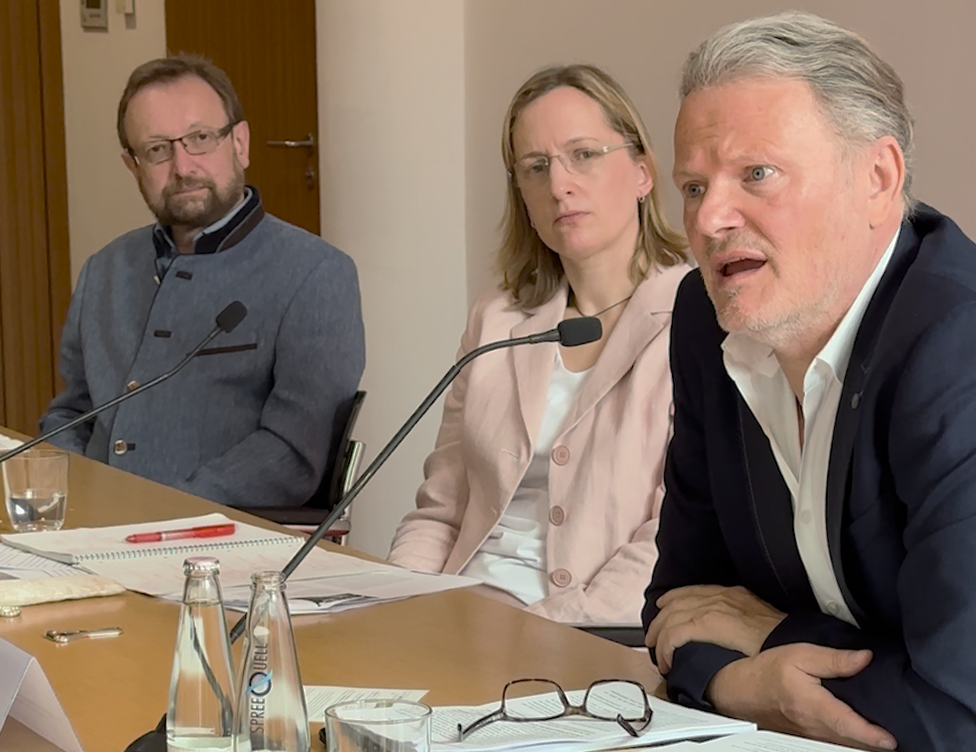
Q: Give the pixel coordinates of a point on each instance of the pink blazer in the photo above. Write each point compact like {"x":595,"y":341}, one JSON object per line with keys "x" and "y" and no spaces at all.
{"x":606,"y":468}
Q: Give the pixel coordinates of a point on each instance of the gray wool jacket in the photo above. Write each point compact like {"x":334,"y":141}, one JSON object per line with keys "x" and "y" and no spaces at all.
{"x":248,"y":422}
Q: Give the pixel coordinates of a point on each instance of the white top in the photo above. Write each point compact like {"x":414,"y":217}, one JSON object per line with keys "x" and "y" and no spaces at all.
{"x":513,"y":557}
{"x":763,"y":385}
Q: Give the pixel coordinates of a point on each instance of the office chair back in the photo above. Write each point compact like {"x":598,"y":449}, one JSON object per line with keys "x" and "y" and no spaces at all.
{"x":342,"y":465}
{"x":340,"y":473}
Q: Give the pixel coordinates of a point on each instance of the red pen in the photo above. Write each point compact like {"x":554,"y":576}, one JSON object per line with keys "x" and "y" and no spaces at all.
{"x":205,"y":531}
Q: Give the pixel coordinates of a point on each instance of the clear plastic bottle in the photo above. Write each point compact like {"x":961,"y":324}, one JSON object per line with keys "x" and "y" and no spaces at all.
{"x":271,"y":713}
{"x":200,"y":714}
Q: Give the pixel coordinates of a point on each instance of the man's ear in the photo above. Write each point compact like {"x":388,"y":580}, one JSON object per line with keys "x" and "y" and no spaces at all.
{"x":886,"y":165}
{"x":242,"y":142}
{"x":130,"y":163}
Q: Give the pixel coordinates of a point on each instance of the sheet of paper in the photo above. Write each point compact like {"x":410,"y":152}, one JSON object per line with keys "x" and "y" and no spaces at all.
{"x":7,"y":443}
{"x":338,"y":593}
{"x":27,"y":695}
{"x":767,"y":741}
{"x":317,"y":699}
{"x":575,"y":734}
{"x":163,"y":575}
{"x":22,"y":565}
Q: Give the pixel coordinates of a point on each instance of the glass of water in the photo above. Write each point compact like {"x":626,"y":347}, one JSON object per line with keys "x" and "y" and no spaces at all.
{"x":35,"y":489}
{"x":377,"y":726}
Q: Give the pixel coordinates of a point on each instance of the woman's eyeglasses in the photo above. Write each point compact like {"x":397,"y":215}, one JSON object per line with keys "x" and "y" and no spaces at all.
{"x":533,"y":171}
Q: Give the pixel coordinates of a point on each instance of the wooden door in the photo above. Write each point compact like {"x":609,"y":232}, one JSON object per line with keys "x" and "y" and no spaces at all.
{"x":35,"y":263}
{"x":268,"y":50}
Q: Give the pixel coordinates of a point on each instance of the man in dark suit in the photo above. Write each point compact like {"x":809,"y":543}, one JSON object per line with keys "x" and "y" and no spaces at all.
{"x":817,"y":569}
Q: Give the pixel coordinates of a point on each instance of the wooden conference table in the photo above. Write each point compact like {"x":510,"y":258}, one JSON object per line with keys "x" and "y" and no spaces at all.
{"x":459,"y":645}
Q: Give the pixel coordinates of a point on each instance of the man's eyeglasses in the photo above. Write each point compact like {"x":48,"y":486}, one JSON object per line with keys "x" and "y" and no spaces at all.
{"x":203,"y":141}
{"x":533,"y":171}
{"x":525,"y":700}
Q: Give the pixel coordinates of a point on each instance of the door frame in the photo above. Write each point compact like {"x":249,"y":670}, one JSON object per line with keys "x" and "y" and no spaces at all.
{"x":29,"y":345}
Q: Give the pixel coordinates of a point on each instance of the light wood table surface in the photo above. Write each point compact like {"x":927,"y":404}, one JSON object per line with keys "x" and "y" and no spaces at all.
{"x":459,"y":645}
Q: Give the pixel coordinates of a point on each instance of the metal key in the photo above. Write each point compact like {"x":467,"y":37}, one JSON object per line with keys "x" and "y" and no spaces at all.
{"x":62,"y":637}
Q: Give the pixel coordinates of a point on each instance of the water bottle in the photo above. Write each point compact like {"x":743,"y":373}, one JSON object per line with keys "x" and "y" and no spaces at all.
{"x":200,"y":715}
{"x":271,"y":713}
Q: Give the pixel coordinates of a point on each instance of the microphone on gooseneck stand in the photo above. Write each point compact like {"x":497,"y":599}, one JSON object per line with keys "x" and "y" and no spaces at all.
{"x":569,"y":333}
{"x":227,"y":320}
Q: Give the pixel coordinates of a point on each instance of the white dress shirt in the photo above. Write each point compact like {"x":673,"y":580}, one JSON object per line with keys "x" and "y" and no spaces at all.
{"x":763,"y":385}
{"x":513,"y":558}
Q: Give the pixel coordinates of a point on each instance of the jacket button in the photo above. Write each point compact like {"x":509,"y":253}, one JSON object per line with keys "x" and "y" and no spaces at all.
{"x":557,"y":515}
{"x":121,"y":447}
{"x":855,"y":401}
{"x":561,"y":578}
{"x":561,"y":454}
{"x":132,"y":386}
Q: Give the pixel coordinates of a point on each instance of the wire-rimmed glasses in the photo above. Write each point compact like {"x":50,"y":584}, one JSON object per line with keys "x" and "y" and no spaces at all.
{"x":203,"y":141}
{"x":533,"y":171}
{"x":523,"y":700}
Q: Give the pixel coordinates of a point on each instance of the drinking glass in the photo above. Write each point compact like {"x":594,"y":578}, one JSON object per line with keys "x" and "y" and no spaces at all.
{"x":378,"y":726}
{"x":35,"y":489}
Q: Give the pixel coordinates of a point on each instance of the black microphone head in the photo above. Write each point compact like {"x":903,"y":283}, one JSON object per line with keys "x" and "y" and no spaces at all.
{"x":581,"y":331}
{"x":231,"y":316}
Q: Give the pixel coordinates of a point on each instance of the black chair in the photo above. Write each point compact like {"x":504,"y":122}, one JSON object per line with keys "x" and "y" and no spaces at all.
{"x":340,"y":473}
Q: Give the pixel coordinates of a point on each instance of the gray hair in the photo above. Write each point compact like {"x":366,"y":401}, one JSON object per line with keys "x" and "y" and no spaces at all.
{"x":859,"y":93}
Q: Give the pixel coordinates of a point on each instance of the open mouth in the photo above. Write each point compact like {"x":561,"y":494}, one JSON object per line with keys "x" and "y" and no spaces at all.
{"x":739,"y":266}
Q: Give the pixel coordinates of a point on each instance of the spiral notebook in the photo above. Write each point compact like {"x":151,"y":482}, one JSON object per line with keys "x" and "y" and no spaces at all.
{"x":89,"y":544}
{"x":157,"y":568}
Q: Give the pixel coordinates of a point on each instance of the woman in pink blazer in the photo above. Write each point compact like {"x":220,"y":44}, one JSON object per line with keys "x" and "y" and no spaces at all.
{"x":546,"y":480}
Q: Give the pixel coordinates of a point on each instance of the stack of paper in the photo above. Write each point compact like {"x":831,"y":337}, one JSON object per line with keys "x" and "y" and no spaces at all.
{"x":758,"y":741}
{"x":374,"y":583}
{"x":577,"y":733}
{"x":324,"y":581}
{"x":21,"y":565}
{"x":7,"y":443}
{"x":670,"y":723}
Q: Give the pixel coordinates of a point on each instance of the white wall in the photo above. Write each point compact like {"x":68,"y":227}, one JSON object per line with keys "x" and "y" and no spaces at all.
{"x":391,"y":125}
{"x":103,"y":200}
{"x":643,"y":44}
{"x":411,"y":99}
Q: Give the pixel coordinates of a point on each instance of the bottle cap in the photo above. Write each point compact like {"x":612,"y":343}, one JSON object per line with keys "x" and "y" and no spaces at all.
{"x":9,"y":612}
{"x":201,"y":565}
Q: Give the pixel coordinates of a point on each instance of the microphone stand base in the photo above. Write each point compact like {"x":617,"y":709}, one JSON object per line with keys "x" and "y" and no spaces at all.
{"x":151,"y":741}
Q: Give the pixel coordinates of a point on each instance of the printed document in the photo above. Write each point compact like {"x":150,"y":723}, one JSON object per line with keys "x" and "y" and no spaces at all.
{"x":577,"y":733}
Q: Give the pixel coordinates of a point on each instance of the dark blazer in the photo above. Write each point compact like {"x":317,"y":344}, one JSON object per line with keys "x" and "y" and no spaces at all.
{"x":901,"y":496}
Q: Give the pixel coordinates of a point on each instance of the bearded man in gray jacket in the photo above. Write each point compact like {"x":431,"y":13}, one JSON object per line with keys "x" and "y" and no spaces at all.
{"x":248,"y":422}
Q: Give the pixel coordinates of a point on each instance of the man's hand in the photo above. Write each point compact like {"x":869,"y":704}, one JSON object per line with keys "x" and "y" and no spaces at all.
{"x":780,"y":689}
{"x":728,"y":616}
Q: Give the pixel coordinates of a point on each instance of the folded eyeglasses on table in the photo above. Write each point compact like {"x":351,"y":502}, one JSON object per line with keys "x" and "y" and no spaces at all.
{"x":619,"y":700}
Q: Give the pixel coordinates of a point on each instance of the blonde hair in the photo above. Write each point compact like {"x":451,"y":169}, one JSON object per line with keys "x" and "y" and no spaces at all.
{"x":531,"y":271}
